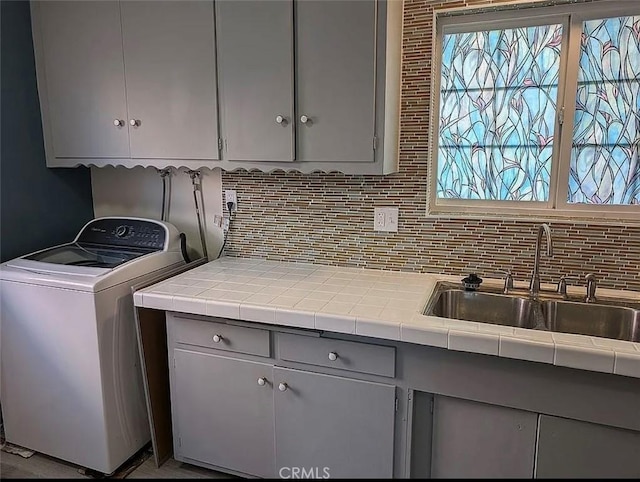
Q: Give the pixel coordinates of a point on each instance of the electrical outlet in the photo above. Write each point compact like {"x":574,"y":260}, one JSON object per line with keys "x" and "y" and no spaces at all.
{"x":385,"y":219}
{"x":378,"y":219}
{"x":230,"y":196}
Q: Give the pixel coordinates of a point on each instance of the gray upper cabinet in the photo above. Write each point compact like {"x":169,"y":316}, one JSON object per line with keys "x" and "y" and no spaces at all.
{"x":130,"y":83}
{"x":81,"y":79}
{"x":310,"y":85}
{"x":305,"y":85}
{"x":169,"y":55}
{"x":335,"y":79}
{"x":255,"y":55}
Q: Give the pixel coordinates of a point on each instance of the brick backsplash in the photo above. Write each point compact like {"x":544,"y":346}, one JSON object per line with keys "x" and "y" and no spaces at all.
{"x":327,"y":218}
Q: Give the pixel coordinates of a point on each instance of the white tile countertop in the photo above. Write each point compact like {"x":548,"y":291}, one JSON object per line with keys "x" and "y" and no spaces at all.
{"x":374,"y":303}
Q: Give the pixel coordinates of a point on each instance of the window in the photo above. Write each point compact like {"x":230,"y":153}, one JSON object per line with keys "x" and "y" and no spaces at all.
{"x":537,"y":111}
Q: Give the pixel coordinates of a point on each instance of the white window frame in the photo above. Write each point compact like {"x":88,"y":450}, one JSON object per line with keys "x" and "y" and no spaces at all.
{"x":524,"y":14}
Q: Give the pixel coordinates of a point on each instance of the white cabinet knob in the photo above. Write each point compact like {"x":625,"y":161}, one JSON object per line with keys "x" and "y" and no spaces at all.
{"x":118,"y":123}
{"x":333,"y":356}
{"x":217,"y":338}
{"x":283,"y":387}
{"x":304,"y":119}
{"x":281,"y":119}
{"x":134,"y":122}
{"x":262,"y":381}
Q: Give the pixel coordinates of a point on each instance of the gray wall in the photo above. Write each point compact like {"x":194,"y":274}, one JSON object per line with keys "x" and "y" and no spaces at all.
{"x":39,"y":207}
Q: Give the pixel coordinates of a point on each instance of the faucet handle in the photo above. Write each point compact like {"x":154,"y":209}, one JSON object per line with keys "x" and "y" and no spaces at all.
{"x":561,"y":288}
{"x":508,"y":280}
{"x":591,"y":287}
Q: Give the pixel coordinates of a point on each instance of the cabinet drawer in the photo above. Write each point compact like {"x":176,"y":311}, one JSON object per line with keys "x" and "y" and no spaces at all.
{"x":345,"y":355}
{"x":221,"y":336}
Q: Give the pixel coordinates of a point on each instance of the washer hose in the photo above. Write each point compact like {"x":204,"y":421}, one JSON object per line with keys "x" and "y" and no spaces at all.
{"x":183,"y":247}
{"x":166,"y":192}
{"x":195,"y":180}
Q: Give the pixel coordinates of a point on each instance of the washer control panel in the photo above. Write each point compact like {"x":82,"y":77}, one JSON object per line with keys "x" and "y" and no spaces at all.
{"x":124,"y":232}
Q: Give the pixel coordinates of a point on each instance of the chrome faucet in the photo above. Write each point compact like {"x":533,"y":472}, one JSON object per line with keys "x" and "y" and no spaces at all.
{"x":534,"y":285}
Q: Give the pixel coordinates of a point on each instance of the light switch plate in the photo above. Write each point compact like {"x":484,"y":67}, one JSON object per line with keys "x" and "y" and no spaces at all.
{"x":385,"y":219}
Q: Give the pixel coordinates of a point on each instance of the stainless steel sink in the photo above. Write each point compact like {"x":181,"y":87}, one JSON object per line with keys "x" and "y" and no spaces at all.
{"x":617,"y":322}
{"x":615,"y":319}
{"x":484,"y":307}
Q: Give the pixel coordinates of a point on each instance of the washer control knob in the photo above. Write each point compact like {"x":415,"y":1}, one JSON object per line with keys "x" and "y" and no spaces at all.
{"x":217,"y":338}
{"x":122,"y":231}
{"x":333,"y":356}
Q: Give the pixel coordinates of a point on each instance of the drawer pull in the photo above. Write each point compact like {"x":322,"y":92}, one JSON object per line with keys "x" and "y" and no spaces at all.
{"x":333,"y":356}
{"x":283,"y":387}
{"x":262,"y":381}
{"x":217,"y":338}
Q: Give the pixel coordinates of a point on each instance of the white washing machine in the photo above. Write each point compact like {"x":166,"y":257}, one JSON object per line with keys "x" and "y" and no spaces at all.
{"x":71,"y":382}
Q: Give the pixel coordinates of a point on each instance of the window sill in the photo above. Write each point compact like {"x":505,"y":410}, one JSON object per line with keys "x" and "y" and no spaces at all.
{"x":538,"y":216}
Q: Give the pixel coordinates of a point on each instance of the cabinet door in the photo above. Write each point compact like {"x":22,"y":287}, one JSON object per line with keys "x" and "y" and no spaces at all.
{"x":573,"y":449}
{"x":84,"y":78}
{"x":169,"y":55}
{"x":335,"y":79}
{"x":477,"y":440}
{"x":255,"y":71}
{"x":333,"y":426}
{"x":222,"y":416}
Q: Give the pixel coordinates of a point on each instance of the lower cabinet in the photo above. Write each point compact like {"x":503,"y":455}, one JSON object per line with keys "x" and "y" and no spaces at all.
{"x":478,"y":440}
{"x":222,"y":415}
{"x":258,"y":419}
{"x":574,"y":449}
{"x":272,"y":404}
{"x":457,"y":438}
{"x":333,"y":426}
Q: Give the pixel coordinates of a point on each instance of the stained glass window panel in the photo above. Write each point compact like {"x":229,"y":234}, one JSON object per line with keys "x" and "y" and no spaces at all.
{"x":498,"y":95}
{"x":604,"y":157}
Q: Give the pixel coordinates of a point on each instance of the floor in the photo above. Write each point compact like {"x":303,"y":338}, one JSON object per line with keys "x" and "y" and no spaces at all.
{"x":40,"y":466}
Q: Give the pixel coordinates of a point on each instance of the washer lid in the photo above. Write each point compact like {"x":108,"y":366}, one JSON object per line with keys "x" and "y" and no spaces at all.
{"x":28,"y":270}
{"x":92,"y":256}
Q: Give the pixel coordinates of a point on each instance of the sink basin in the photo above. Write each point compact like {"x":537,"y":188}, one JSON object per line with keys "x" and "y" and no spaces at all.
{"x":617,"y":322}
{"x":615,"y":319}
{"x":483,"y":307}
